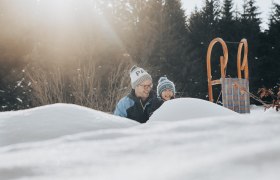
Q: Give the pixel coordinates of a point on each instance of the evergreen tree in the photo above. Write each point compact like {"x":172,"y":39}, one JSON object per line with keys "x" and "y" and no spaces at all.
{"x":129,"y":17}
{"x":144,"y":37}
{"x":151,"y":31}
{"x":227,"y":22}
{"x":227,"y":13}
{"x":228,"y":28}
{"x":270,"y":51}
{"x":172,"y":43}
{"x":203,"y":29}
{"x":250,"y":29}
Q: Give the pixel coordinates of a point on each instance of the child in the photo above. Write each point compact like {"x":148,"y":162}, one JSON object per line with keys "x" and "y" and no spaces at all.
{"x":165,"y":89}
{"x":165,"y":92}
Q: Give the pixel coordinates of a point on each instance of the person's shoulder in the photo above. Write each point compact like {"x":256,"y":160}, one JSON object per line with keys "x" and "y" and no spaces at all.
{"x":126,"y":101}
{"x":124,"y":98}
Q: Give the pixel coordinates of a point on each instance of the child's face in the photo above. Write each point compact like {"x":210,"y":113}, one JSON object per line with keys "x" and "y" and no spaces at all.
{"x":167,"y":94}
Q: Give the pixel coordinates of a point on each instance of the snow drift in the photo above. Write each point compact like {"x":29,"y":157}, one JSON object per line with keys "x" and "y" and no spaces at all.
{"x":80,"y":143}
{"x":189,"y":108}
{"x":53,"y":121}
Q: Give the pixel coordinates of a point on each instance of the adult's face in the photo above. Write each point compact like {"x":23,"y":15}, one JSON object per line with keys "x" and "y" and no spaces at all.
{"x":143,"y":90}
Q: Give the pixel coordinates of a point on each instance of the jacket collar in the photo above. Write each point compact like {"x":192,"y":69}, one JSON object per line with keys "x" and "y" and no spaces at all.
{"x":132,"y":95}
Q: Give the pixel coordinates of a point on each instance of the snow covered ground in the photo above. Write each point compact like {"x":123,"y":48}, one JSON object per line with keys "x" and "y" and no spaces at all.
{"x":185,"y":139}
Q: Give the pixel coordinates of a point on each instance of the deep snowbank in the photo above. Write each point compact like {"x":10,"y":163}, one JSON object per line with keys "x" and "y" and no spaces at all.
{"x":52,"y":121}
{"x":228,"y":147}
{"x":189,"y":108}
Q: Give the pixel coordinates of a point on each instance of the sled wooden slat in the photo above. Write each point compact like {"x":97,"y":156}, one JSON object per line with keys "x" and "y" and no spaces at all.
{"x":215,"y":82}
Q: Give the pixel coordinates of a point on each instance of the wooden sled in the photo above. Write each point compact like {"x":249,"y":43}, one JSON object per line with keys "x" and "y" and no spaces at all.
{"x":235,"y":91}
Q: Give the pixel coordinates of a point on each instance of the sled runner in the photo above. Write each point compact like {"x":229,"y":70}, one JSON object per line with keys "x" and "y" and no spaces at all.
{"x":235,"y":91}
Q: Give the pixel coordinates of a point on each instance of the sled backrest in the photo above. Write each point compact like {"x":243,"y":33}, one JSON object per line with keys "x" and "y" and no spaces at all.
{"x":223,"y":62}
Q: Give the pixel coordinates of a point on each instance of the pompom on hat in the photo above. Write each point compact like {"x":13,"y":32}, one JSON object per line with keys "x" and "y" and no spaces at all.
{"x":138,"y":75}
{"x":163,"y":84}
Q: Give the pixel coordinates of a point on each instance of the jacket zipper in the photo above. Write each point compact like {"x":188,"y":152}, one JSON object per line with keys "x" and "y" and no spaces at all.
{"x":142,"y":105}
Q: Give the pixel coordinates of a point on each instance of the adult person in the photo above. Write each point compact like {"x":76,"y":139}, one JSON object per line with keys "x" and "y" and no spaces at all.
{"x":141,"y":102}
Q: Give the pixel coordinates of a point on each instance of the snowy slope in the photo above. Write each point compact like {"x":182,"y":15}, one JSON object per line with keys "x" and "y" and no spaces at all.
{"x":189,"y":108}
{"x":53,"y":121}
{"x":225,"y":146}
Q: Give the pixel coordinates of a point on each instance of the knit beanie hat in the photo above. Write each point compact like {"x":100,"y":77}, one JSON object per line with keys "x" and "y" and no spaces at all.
{"x":163,"y":84}
{"x":138,"y":75}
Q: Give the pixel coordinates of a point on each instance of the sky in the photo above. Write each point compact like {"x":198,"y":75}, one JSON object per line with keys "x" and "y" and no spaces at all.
{"x":186,"y":138}
{"x":264,"y":7}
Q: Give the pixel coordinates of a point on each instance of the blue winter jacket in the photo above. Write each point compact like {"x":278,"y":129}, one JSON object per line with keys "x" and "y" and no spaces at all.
{"x":131,"y":107}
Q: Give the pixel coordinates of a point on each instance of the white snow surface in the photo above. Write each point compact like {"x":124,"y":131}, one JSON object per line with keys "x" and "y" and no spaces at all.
{"x":189,"y":108}
{"x":185,"y":138}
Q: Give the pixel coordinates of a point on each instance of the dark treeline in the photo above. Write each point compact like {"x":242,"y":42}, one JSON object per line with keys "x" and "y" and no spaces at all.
{"x":68,"y":51}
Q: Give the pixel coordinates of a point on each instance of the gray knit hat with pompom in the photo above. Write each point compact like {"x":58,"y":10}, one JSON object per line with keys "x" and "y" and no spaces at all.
{"x":163,"y":84}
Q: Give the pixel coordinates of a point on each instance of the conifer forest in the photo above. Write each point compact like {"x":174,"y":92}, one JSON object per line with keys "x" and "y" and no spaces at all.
{"x":80,"y":52}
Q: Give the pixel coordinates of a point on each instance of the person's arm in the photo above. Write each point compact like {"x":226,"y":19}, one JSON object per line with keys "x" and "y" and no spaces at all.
{"x":120,"y":109}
